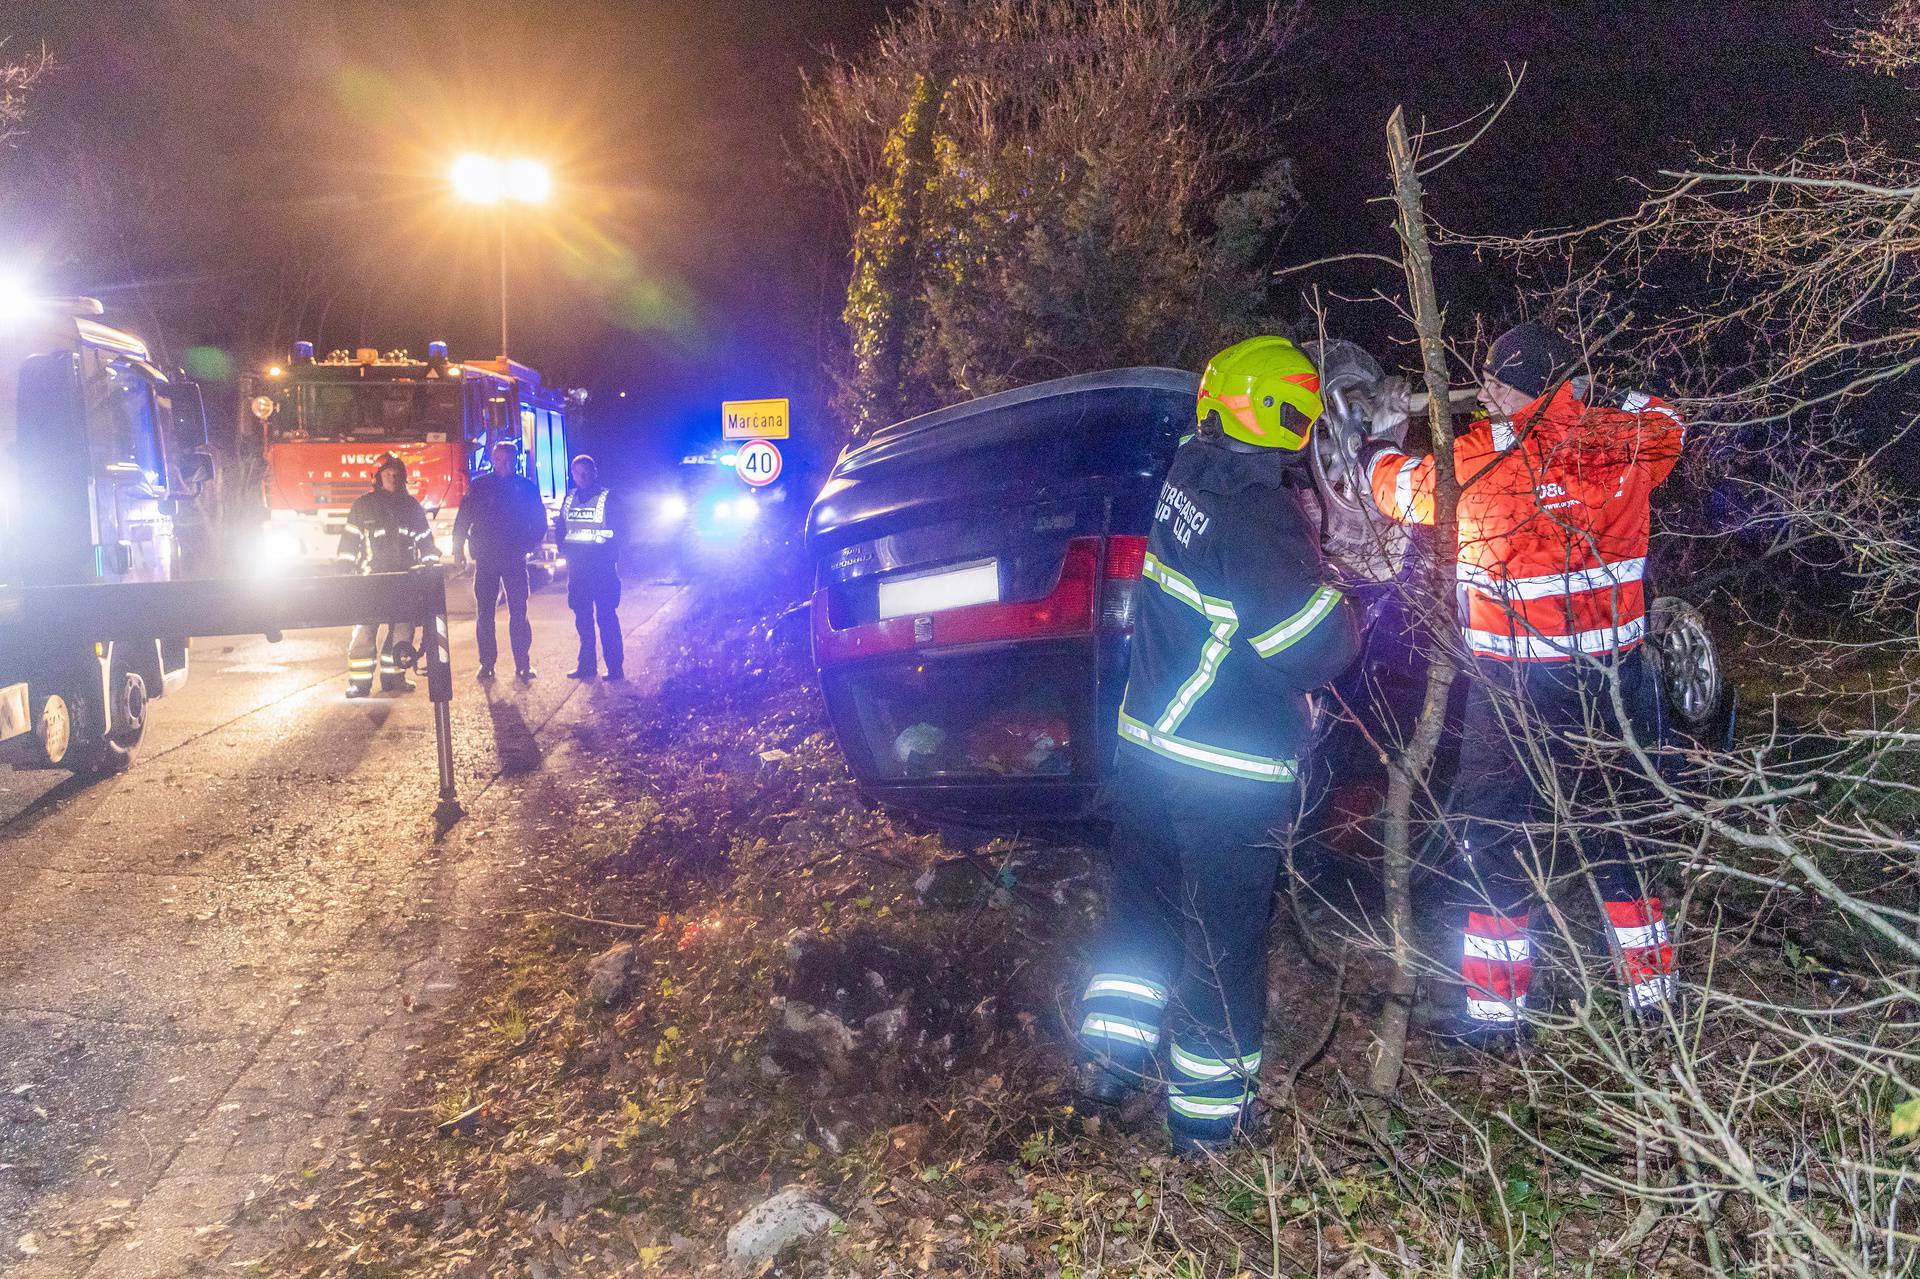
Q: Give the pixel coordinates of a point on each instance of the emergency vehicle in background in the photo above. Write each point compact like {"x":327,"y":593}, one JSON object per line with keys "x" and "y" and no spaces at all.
{"x":102,"y":461}
{"x":325,"y":424}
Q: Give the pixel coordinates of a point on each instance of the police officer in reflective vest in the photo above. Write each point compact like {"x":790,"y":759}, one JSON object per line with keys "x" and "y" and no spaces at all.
{"x":387,"y":532}
{"x":589,"y":537}
{"x":1238,"y":621}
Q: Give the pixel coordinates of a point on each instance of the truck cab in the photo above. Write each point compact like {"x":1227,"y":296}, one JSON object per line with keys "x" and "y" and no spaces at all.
{"x":324,"y":425}
{"x":101,"y":462}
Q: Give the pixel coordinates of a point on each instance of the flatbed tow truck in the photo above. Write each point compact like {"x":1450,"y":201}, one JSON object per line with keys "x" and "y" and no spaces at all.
{"x":100,"y":453}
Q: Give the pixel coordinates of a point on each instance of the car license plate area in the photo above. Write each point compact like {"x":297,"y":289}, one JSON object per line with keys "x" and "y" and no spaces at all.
{"x":936,"y":592}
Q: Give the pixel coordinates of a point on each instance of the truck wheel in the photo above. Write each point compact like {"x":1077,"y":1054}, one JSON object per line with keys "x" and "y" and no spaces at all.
{"x":128,"y":724}
{"x":53,"y":731}
{"x":71,"y":732}
{"x":1691,"y":683}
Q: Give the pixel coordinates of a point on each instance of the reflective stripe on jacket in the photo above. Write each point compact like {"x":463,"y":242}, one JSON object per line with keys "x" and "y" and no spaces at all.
{"x":1236,"y":621}
{"x":1554,"y":520}
{"x":387,"y":533}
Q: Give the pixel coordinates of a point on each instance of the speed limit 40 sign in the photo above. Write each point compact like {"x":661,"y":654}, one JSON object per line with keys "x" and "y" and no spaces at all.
{"x":757,"y":462}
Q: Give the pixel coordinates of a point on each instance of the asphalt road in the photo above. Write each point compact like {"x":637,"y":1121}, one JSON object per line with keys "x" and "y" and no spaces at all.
{"x":214,"y":966}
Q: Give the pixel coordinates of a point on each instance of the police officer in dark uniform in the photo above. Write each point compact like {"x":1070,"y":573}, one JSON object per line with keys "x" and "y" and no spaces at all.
{"x":387,"y":532}
{"x":502,"y":520}
{"x":589,"y":536}
{"x":1238,"y":621}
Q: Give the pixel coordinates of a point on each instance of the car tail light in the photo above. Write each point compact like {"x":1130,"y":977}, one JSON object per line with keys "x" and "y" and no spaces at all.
{"x":1120,"y":584}
{"x":1067,"y":611}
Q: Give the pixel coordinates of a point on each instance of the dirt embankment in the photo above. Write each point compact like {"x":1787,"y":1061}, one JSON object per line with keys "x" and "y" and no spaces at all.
{"x":740,"y":980}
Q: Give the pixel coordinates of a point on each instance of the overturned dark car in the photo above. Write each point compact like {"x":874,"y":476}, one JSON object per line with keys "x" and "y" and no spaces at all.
{"x":977,"y":570}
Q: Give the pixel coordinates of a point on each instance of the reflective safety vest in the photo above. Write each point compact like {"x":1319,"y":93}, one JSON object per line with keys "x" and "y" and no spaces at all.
{"x":1236,"y":622}
{"x":1554,"y":521}
{"x":583,"y":519}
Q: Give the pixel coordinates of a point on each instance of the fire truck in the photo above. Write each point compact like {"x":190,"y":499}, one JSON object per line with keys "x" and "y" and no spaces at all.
{"x":102,"y":459}
{"x":324,"y":425}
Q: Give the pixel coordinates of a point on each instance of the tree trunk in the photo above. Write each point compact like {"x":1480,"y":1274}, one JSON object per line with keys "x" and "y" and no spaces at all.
{"x":1408,"y":773}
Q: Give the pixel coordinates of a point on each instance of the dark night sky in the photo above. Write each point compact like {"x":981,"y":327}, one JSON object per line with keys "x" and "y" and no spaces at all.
{"x":681,"y":262}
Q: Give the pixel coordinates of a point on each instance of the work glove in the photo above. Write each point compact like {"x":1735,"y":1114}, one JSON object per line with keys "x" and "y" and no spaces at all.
{"x":1390,"y":410}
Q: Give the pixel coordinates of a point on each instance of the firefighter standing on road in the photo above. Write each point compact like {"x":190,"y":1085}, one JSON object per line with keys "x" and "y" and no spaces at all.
{"x":1553,"y":547}
{"x":387,"y":532}
{"x":589,"y":537}
{"x":1237,"y":623}
{"x":503,"y":520}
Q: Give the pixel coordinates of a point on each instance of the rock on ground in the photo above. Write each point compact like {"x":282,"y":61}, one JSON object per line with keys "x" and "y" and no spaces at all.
{"x":772,"y":1224}
{"x":608,"y":974}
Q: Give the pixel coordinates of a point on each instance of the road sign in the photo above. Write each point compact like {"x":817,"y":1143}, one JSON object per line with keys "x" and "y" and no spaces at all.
{"x":753,"y":420}
{"x":757,"y":462}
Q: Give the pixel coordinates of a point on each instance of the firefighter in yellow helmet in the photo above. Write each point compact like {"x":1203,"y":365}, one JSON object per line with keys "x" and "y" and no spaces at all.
{"x":1238,"y":620}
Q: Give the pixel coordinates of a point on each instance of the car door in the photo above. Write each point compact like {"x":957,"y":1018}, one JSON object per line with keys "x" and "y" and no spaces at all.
{"x":128,"y":431}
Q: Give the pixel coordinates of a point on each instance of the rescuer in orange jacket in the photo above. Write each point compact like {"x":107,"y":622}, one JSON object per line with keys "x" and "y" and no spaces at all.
{"x":1554,"y":517}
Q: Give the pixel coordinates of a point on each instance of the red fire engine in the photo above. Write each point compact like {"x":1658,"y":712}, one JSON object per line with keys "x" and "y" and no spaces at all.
{"x":325,"y":425}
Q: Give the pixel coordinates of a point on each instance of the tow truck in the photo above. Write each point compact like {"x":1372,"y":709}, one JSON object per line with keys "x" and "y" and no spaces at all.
{"x":102,"y":456}
{"x":101,"y":453}
{"x":324,"y":424}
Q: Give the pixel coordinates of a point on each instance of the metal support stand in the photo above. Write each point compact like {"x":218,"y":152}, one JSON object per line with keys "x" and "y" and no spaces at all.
{"x":63,"y":616}
{"x":440,"y":693}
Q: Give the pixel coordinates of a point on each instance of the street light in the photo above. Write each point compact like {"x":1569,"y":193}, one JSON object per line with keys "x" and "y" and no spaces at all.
{"x":489,"y":180}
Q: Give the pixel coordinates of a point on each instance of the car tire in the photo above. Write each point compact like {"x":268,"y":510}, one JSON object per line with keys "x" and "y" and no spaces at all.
{"x":1693,"y":685}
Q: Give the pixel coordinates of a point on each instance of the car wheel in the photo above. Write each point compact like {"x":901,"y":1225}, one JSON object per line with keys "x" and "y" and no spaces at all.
{"x":1692,"y":684}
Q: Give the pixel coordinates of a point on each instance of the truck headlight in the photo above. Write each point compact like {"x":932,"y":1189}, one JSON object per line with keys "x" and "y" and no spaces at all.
{"x":671,"y":509}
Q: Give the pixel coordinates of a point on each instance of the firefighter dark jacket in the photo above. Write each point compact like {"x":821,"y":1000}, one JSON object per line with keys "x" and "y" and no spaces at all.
{"x":1237,"y":621}
{"x":501,"y":518}
{"x":387,"y":533}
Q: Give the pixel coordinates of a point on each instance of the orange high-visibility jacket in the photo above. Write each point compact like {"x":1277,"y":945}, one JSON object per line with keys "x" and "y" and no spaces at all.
{"x":1553,"y":522}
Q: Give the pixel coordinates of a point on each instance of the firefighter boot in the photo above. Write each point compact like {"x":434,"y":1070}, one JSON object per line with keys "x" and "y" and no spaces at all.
{"x":1209,"y":1098}
{"x":1120,"y":1021}
{"x":1485,"y":1009}
{"x":1645,"y":952}
{"x":393,"y":676}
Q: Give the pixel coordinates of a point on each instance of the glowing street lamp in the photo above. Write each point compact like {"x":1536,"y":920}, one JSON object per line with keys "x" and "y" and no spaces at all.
{"x":488,"y":180}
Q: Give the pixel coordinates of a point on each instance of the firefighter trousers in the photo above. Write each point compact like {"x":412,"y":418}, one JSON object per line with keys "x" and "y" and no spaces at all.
{"x":365,"y":653}
{"x":593,"y":592}
{"x":1530,"y":791}
{"x":1183,"y":952}
{"x":491,"y":579}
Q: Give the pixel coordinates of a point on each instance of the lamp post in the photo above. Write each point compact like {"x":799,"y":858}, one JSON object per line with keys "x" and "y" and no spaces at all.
{"x":490,"y":180}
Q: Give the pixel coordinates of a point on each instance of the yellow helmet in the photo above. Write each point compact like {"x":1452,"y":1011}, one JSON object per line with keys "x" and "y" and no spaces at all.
{"x":1265,"y":391}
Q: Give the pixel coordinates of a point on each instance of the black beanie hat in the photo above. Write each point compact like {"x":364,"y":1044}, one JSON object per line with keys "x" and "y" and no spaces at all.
{"x":1528,"y":358}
